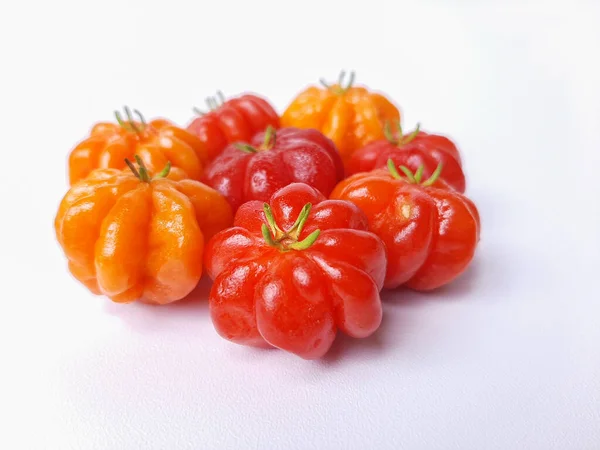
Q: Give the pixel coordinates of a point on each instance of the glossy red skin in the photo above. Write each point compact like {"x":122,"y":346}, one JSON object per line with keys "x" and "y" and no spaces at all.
{"x":430,"y":233}
{"x":304,"y":156}
{"x":235,"y":120}
{"x":425,"y":149}
{"x":296,"y":300}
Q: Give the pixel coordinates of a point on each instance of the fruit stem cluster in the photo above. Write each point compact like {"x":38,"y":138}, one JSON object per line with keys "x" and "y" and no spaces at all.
{"x":130,"y":124}
{"x":399,"y":138}
{"x":414,"y":178}
{"x":338,"y":88}
{"x":142,"y":172}
{"x":288,"y":240}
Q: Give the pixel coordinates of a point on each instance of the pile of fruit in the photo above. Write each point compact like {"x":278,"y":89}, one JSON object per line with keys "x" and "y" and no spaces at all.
{"x":300,"y":220}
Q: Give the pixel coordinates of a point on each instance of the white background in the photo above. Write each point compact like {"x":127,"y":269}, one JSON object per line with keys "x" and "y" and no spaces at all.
{"x":508,"y":357}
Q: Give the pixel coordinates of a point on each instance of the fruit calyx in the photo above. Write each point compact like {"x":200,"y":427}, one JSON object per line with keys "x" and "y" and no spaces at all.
{"x":338,"y":88}
{"x":399,"y":139}
{"x":130,"y":124}
{"x":268,"y":142}
{"x":414,"y":178}
{"x":142,"y":173}
{"x":288,"y":240}
{"x":213,"y":104}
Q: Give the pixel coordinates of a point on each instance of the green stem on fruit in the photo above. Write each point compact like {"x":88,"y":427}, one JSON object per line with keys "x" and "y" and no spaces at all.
{"x":270,"y":136}
{"x":267,"y":236}
{"x":393,"y":171}
{"x":141,"y":117}
{"x":131,"y":120}
{"x":132,"y":168}
{"x":277,"y":232}
{"x":126,"y":125}
{"x":339,"y":90}
{"x":388,"y":133}
{"x":130,"y":124}
{"x":324,"y":83}
{"x":350,"y":81}
{"x":268,"y":142}
{"x":246,"y":148}
{"x":406,"y":139}
{"x":398,"y":138}
{"x":408,"y":174}
{"x":144,"y":176}
{"x":289,"y":240}
{"x":296,"y":229}
{"x":142,"y":172}
{"x":165,"y":172}
{"x":417,"y":176}
{"x":306,"y":242}
{"x":434,"y":176}
{"x":211,"y":103}
{"x":419,"y":173}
